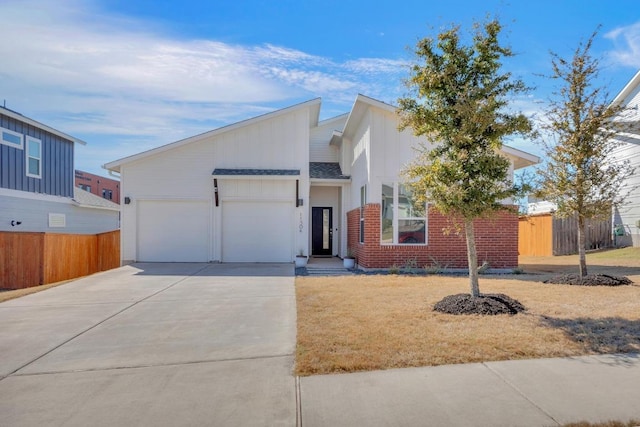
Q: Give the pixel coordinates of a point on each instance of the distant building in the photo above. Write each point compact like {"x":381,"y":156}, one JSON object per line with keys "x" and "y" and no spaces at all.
{"x":37,"y":191}
{"x":106,"y":188}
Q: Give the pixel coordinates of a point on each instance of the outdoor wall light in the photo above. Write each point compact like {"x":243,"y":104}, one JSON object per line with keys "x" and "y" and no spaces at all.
{"x":127,"y":200}
{"x":14,"y":223}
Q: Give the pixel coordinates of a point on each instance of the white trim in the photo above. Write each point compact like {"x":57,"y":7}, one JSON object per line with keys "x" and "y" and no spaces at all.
{"x":395,"y":222}
{"x":39,"y":125}
{"x":314,"y":103}
{"x":320,"y":182}
{"x":258,"y":177}
{"x":34,"y":196}
{"x":9,"y":143}
{"x":527,"y":159}
{"x":626,"y":91}
{"x":29,"y":156}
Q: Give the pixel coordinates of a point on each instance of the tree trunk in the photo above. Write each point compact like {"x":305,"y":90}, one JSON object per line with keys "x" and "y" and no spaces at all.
{"x":582,"y":244}
{"x":472,"y":258}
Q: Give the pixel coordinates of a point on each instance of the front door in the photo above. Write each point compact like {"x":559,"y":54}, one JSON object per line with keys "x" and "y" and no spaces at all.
{"x":321,"y":231}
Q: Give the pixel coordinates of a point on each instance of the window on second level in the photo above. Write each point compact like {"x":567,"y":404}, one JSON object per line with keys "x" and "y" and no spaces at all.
{"x":85,"y":187}
{"x":34,"y":157}
{"x":107,"y":194}
{"x":11,"y":138}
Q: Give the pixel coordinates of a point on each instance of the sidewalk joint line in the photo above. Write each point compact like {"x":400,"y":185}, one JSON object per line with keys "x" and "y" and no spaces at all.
{"x":158,"y":365}
{"x":521,"y":393}
{"x":298,"y":403}
{"x":100,"y":323}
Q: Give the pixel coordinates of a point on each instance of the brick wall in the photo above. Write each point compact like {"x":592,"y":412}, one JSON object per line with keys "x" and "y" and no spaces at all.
{"x":496,"y":242}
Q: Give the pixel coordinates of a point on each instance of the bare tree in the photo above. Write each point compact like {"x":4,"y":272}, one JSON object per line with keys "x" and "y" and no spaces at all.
{"x":580,"y":174}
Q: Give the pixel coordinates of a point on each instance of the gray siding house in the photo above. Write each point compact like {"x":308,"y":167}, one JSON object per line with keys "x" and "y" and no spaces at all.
{"x":36,"y":182}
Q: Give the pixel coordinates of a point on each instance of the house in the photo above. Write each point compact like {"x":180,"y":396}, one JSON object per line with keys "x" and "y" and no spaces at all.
{"x":36,"y":182}
{"x":101,"y":186}
{"x":626,"y":219}
{"x":284,"y":183}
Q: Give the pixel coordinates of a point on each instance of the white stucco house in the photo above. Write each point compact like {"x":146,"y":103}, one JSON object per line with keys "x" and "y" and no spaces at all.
{"x":626,"y":219}
{"x":284,"y":183}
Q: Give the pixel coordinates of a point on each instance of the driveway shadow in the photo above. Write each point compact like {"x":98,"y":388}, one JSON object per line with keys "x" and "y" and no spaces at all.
{"x":604,"y":335}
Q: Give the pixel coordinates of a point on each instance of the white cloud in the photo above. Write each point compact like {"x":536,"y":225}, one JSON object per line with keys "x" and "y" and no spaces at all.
{"x":371,"y":66}
{"x":108,"y":79}
{"x":627,"y":45}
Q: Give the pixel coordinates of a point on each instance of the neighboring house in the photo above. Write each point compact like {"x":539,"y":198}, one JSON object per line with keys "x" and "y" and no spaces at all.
{"x":36,"y":182}
{"x":268,"y":188}
{"x":106,"y":188}
{"x":626,"y":219}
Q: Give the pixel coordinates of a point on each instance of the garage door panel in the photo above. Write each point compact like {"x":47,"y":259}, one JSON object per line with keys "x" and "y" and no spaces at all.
{"x":173,"y":231}
{"x":257,"y":231}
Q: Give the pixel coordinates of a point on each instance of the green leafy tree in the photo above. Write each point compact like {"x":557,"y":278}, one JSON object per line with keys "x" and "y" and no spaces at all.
{"x":580,"y":175}
{"x":457,"y":100}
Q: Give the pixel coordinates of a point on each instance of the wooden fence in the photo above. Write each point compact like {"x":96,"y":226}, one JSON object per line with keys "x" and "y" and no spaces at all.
{"x":535,"y":235}
{"x":545,"y":235}
{"x":32,"y":259}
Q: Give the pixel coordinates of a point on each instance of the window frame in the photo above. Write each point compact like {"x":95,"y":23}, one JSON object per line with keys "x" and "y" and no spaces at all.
{"x":8,"y":143}
{"x":395,"y":220}
{"x":363,"y":202}
{"x":28,"y":156}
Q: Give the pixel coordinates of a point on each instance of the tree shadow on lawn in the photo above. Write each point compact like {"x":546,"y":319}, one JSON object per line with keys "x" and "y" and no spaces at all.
{"x":608,"y":335}
{"x":550,"y":269}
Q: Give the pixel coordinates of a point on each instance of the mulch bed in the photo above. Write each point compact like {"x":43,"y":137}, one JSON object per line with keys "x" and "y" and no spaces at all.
{"x":486,"y":304}
{"x":589,"y":280}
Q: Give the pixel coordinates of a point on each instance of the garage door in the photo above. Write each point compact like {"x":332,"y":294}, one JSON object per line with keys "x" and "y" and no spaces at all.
{"x":257,"y":231}
{"x":173,"y":231}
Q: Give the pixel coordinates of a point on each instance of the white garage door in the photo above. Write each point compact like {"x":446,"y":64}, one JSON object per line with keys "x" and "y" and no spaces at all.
{"x":257,"y":231}
{"x":173,"y":231}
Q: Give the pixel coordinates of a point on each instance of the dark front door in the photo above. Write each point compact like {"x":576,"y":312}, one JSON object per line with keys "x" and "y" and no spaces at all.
{"x":321,"y":231}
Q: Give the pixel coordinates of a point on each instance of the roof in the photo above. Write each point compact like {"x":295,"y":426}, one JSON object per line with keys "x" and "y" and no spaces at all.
{"x":520,"y":158}
{"x":89,"y":200}
{"x":360,"y":106}
{"x":256,"y":172}
{"x":313,"y":105}
{"x":326,"y":170}
{"x":17,"y":116}
{"x":626,"y":91}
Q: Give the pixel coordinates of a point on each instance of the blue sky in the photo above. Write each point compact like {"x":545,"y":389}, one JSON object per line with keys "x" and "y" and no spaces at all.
{"x":127,"y":75}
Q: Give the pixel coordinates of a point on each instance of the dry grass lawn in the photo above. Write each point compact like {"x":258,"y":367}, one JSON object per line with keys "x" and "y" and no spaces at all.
{"x":366,"y":322}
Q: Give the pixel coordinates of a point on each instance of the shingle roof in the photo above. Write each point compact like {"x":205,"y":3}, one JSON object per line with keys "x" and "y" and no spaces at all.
{"x":84,"y":198}
{"x":326,"y":170}
{"x":257,"y":172}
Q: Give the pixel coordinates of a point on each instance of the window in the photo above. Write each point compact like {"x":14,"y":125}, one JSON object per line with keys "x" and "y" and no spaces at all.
{"x":403,"y":220}
{"x":85,"y":187}
{"x":11,"y":138}
{"x":107,"y":194}
{"x":363,"y":202}
{"x":34,"y":157}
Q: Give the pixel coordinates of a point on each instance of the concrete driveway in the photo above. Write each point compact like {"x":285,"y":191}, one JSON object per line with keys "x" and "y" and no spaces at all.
{"x":153,"y":344}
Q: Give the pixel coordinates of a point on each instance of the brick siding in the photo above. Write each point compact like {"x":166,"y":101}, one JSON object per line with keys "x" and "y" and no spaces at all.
{"x":496,"y":242}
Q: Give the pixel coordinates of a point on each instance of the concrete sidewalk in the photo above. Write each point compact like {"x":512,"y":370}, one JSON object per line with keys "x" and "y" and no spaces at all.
{"x":543,"y":392}
{"x":214,"y":344}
